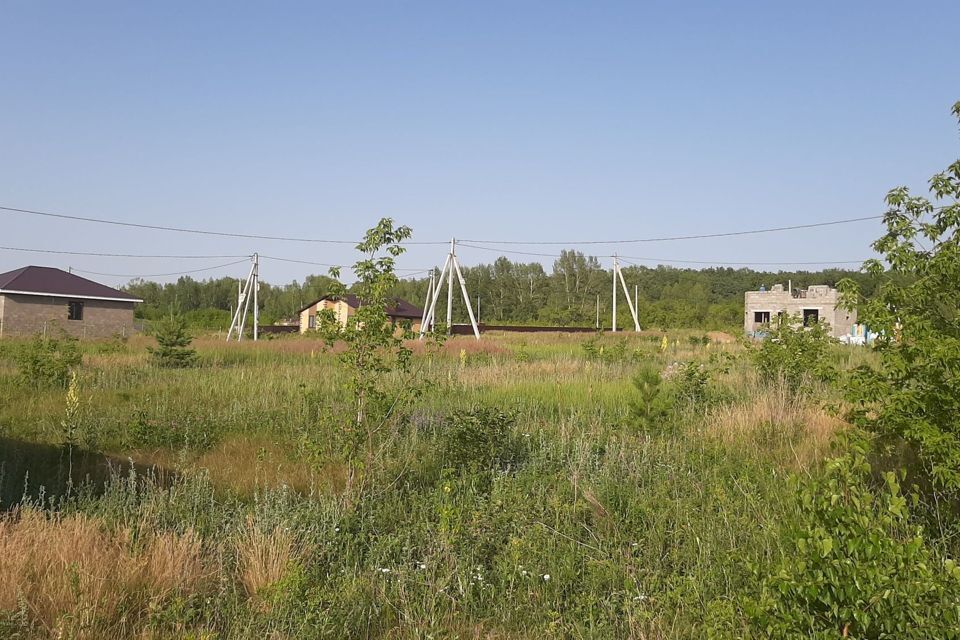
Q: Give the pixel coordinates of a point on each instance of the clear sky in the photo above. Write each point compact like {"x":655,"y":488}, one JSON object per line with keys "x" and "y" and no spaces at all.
{"x":486,"y":120}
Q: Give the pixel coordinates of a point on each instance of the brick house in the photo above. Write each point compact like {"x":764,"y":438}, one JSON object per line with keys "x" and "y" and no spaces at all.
{"x":41,"y":299}
{"x":398,"y":311}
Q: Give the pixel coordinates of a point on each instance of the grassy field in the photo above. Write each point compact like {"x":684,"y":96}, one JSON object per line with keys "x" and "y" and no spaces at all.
{"x":213,"y":502}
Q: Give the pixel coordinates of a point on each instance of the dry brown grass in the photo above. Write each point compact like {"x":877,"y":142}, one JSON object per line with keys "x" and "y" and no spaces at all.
{"x":246,"y":464}
{"x":264,"y":558}
{"x":73,"y":578}
{"x":799,"y":424}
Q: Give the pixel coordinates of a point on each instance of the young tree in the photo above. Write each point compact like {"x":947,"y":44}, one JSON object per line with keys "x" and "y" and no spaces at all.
{"x":374,"y":347}
{"x":173,"y":344}
{"x":913,"y":394}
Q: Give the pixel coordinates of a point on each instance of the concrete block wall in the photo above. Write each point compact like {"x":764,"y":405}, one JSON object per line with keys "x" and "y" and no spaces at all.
{"x":22,"y":315}
{"x":778,"y":300}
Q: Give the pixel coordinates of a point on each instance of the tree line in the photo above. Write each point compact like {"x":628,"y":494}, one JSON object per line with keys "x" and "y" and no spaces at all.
{"x":508,"y":292}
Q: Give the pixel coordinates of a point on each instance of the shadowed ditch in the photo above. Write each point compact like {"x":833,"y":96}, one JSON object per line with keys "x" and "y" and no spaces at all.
{"x":29,"y":470}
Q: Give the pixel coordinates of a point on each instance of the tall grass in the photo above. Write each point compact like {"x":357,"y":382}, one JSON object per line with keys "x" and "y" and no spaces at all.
{"x":70,"y":577}
{"x":595,"y":529}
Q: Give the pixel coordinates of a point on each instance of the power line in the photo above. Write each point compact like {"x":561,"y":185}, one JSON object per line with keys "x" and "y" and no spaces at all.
{"x":687,"y":237}
{"x":118,"y":255}
{"x":101,"y":254}
{"x":666,"y":260}
{"x":327,"y":264}
{"x":158,"y":275}
{"x":229,"y":234}
{"x":511,"y":251}
{"x":153,"y":227}
{"x":627,"y":259}
{"x":406,"y":272}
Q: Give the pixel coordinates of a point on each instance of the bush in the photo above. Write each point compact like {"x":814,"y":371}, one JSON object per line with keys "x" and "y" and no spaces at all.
{"x":691,"y":383}
{"x":47,"y":361}
{"x":857,"y":567}
{"x":911,"y":396}
{"x":795,"y":353}
{"x":480,"y":439}
{"x":173,"y":344}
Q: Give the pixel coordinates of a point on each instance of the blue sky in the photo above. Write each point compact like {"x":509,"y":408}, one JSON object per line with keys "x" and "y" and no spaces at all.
{"x":515,"y":121}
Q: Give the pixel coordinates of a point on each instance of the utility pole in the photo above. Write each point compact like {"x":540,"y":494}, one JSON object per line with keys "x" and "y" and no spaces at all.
{"x":239,"y":320}
{"x":426,"y":304}
{"x":616,"y":267}
{"x":256,"y":289}
{"x":618,"y":275}
{"x":453,"y":247}
{"x":451,"y":268}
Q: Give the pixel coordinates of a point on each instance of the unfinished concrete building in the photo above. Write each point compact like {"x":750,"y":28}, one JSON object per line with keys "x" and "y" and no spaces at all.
{"x":815,"y":304}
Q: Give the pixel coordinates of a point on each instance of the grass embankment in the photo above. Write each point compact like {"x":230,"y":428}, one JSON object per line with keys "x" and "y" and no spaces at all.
{"x":576,"y":523}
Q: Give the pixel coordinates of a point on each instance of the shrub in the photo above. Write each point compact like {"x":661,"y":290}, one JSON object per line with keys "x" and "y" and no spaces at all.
{"x":795,"y":353}
{"x":480,"y":439}
{"x":173,"y":344}
{"x":692,"y":385}
{"x":912,"y":395}
{"x":595,"y":349}
{"x":47,"y":361}
{"x":857,"y":567}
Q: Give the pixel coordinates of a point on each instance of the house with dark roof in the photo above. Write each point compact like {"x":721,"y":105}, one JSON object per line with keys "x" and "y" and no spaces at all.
{"x":399,"y":311}
{"x":41,"y":299}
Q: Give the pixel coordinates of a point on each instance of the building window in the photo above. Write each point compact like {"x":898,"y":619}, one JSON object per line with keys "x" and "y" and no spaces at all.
{"x":810,"y":317}
{"x":761,"y":317}
{"x":311,"y":322}
{"x":74,"y":310}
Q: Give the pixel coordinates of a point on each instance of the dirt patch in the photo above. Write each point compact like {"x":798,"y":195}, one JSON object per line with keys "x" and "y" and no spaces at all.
{"x":721,"y":337}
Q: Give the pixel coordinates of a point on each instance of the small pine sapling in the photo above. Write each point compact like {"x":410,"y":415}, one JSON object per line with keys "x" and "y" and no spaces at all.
{"x":173,"y":344}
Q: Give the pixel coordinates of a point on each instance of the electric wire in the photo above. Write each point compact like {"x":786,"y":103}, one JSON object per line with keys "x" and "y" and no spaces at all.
{"x":627,"y":259}
{"x":662,"y":260}
{"x":121,"y":255}
{"x":327,"y":264}
{"x":230,"y":234}
{"x":409,"y":271}
{"x":698,"y":236}
{"x":102,"y":254}
{"x":158,"y":275}
{"x":205,"y":232}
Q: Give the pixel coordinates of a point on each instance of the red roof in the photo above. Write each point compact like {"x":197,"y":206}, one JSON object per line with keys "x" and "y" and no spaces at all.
{"x":47,"y":281}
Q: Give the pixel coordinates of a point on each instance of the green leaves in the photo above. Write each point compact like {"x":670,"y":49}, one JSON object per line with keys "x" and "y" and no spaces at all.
{"x":794,"y":353}
{"x":858,"y":567}
{"x":912,"y":396}
{"x":374,"y":346}
{"x":48,"y":361}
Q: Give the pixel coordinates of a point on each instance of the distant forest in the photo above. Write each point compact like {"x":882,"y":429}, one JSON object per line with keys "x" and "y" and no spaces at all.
{"x":517,"y":293}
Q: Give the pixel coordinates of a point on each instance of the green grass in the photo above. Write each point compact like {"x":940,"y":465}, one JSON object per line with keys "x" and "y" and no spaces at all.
{"x":641,"y":535}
